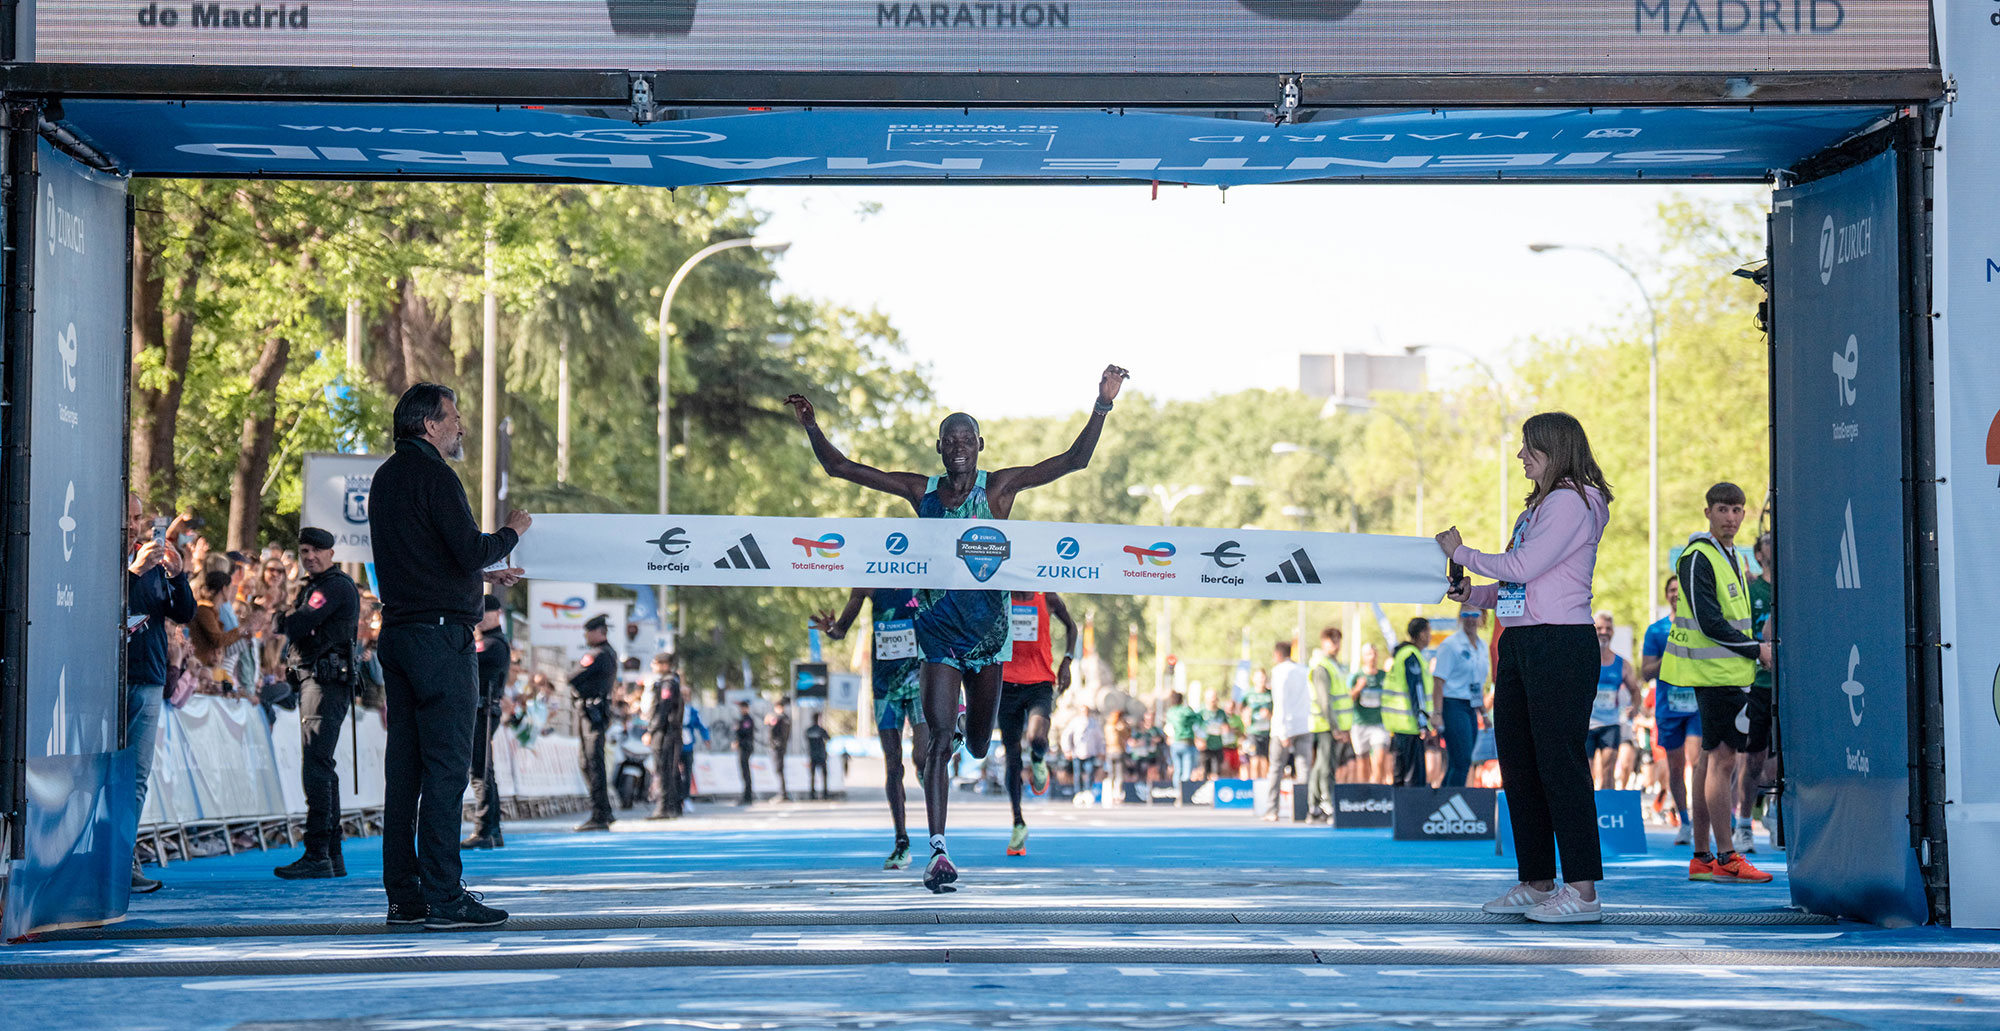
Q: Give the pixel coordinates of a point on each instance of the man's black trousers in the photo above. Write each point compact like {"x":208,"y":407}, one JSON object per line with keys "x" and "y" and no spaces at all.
{"x":485,"y":786}
{"x":1542,"y":694}
{"x":321,"y":711}
{"x":1412,"y":771}
{"x":430,"y":675}
{"x":667,"y":769}
{"x":592,"y":719}
{"x":743,"y":764}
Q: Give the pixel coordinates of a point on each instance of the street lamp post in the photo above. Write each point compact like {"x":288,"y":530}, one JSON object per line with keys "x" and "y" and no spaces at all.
{"x":1652,"y":405}
{"x":666,"y":342}
{"x":1505,"y":415}
{"x":1169,"y":499}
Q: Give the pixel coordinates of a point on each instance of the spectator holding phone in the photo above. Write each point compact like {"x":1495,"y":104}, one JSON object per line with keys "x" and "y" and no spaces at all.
{"x":156,"y":590}
{"x":1542,"y":600}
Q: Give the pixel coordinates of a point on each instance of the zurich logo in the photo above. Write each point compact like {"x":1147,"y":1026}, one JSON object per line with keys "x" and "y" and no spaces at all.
{"x":1225,"y":555}
{"x":671,"y":542}
{"x":1826,"y":251}
{"x":897,"y":544}
{"x":647,"y":136}
{"x":1068,"y":548}
{"x":984,"y":549}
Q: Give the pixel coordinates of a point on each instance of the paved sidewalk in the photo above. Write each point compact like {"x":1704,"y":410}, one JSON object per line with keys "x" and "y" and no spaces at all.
{"x":780,"y":916}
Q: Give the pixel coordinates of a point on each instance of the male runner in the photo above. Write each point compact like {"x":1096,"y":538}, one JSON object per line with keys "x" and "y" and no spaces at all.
{"x":893,"y":674}
{"x":960,"y":634}
{"x":1676,"y":715}
{"x":1029,"y":683}
{"x":1617,"y":696}
{"x":1710,"y":649}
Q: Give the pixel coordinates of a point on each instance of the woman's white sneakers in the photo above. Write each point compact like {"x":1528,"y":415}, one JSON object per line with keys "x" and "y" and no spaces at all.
{"x":1566,"y":907}
{"x":1518,"y":901}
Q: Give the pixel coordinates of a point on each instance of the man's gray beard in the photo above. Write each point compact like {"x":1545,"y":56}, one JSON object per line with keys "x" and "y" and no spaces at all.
{"x":457,"y":451}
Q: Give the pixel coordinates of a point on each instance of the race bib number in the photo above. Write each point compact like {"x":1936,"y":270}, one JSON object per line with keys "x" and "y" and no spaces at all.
{"x":1607,"y":700}
{"x":1371,"y":698}
{"x":896,"y":639}
{"x":1513,"y":601}
{"x":1022,"y":624}
{"x":1681,"y":699}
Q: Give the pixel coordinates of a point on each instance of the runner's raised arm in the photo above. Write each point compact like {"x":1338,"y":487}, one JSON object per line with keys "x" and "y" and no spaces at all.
{"x":908,"y":486}
{"x":1003,"y":485}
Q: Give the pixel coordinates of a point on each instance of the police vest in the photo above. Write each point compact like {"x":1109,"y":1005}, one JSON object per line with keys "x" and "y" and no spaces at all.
{"x":1397,"y":714}
{"x":1343,"y":702}
{"x":1693,"y":659}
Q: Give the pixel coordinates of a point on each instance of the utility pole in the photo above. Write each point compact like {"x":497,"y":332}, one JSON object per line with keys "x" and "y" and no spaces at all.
{"x":489,"y":394}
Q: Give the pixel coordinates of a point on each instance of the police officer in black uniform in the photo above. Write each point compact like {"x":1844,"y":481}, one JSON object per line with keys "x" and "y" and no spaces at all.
{"x":667,"y":704}
{"x":322,"y":626}
{"x":494,"y":659}
{"x":591,"y":680}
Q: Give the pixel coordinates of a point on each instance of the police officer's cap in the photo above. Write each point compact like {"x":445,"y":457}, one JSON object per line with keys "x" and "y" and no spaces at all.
{"x":597,"y":623}
{"x":314,"y":537}
{"x":492,"y":603}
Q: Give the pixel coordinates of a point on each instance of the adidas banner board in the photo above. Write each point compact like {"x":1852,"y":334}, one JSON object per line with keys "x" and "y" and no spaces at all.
{"x":335,"y":499}
{"x":1363,"y":806}
{"x":962,"y":554}
{"x":1621,"y":829}
{"x":1842,"y":618}
{"x":1966,"y":284}
{"x":1444,"y":814}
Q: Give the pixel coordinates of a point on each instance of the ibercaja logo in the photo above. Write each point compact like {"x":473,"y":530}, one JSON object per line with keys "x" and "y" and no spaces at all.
{"x":651,"y":17}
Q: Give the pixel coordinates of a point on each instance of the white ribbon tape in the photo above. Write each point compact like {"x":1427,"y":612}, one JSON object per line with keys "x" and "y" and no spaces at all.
{"x":968,"y":554}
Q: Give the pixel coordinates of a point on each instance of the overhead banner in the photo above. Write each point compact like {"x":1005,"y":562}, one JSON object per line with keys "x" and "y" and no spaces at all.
{"x":1119,"y":36}
{"x":1843,"y":682}
{"x":75,"y":706}
{"x":336,"y":500}
{"x":1966,"y":283}
{"x":218,"y":138}
{"x":997,"y":555}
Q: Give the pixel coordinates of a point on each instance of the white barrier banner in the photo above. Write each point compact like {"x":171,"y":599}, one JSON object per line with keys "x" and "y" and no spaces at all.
{"x":970,"y":554}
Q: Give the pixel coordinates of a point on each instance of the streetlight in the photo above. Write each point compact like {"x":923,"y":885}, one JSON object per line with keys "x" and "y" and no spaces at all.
{"x":1169,"y":499}
{"x":666,"y":340}
{"x":1506,"y":413}
{"x":1652,"y":404}
{"x":1355,"y":404}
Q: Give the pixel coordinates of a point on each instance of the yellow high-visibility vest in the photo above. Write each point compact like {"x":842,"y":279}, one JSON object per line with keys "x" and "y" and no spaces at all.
{"x":1692,"y":658}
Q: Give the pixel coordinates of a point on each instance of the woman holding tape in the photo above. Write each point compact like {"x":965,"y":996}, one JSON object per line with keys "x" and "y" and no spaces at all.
{"x":1546,"y":679}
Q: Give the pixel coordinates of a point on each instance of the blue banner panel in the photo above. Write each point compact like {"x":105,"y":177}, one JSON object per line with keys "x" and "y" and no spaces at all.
{"x":81,"y":796}
{"x":1621,"y":830}
{"x":372,"y":141}
{"x":79,"y":833}
{"x":1841,"y":611}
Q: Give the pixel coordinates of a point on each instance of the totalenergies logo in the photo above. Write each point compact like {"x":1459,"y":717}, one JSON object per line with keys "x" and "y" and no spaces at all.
{"x":567,"y":609}
{"x":827,"y":546}
{"x":1160,"y":554}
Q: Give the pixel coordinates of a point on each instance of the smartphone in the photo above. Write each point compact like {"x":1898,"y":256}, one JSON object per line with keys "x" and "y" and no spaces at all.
{"x":1457,"y":574}
{"x":160,"y":529}
{"x":133,"y":624}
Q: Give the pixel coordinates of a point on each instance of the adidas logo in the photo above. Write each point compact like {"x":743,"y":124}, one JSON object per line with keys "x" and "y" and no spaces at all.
{"x":1847,"y":575}
{"x":1296,"y":570}
{"x":1454,"y":817}
{"x":744,"y":554}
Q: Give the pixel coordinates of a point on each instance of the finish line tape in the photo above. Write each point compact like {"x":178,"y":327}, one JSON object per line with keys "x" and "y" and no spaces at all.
{"x":994,"y":555}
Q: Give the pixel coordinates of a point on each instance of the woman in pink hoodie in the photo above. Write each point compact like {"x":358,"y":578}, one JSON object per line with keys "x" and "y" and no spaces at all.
{"x":1546,"y":678}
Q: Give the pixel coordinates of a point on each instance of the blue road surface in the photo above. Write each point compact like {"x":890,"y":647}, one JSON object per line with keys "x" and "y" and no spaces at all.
{"x":780,"y":917}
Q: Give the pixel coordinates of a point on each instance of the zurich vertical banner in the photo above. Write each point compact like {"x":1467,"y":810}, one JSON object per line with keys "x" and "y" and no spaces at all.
{"x":1966,"y":282}
{"x":79,"y":784}
{"x":1841,"y":613}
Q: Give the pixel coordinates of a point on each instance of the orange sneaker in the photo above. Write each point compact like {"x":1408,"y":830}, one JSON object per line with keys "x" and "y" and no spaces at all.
{"x":1700,"y":869}
{"x":1733,"y":868}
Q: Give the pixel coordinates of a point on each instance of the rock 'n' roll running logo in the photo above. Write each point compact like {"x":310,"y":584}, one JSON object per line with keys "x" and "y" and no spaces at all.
{"x":983,"y":549}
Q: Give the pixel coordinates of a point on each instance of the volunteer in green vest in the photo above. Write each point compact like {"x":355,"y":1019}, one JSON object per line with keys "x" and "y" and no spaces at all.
{"x":1332,"y":717}
{"x":1407,"y":703}
{"x":1711,"y":650}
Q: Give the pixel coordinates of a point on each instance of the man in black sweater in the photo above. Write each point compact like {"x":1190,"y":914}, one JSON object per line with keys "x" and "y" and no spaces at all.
{"x":430,"y":559}
{"x":156,"y":588}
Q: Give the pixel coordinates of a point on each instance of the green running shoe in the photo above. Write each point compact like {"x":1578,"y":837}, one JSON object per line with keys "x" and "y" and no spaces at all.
{"x":1018,"y":844}
{"x":899,"y":859}
{"x":1038,"y":776}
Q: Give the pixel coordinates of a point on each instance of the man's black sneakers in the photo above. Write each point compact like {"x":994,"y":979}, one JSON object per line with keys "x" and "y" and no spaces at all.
{"x":480,"y":841}
{"x":339,"y":863}
{"x":592,"y":824}
{"x":407,"y":914}
{"x":465,"y":911}
{"x":142,"y":884}
{"x":308,"y":867}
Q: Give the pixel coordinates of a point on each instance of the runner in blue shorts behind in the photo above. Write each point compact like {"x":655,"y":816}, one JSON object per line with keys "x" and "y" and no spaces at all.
{"x":893,"y":674}
{"x":961,"y":635}
{"x":1674,"y":713}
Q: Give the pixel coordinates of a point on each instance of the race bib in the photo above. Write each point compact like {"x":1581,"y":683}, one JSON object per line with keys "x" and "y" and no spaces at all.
{"x":1681,"y":699}
{"x":1513,"y":601}
{"x":1023,"y":624}
{"x":1607,"y":700}
{"x":896,"y":639}
{"x":1371,"y":698}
